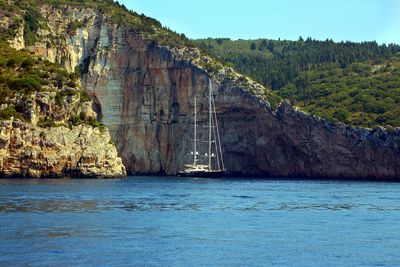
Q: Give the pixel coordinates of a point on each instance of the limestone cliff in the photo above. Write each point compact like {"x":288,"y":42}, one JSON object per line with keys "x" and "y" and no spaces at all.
{"x":80,"y":151}
{"x":144,"y":94}
{"x":49,"y":140}
{"x":48,"y":127}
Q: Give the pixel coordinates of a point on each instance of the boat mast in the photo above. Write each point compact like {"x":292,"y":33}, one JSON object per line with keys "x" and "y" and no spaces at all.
{"x":195,"y":129}
{"x":210,"y":122}
{"x":218,"y":141}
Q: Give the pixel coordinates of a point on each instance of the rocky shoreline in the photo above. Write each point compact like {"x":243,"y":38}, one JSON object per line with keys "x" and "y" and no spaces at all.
{"x":28,"y":151}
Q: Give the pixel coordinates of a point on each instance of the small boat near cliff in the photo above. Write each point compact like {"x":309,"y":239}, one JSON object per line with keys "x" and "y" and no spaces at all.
{"x":206,"y":161}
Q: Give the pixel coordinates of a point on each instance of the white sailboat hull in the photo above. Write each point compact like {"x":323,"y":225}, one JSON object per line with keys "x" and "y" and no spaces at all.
{"x":202,"y":173}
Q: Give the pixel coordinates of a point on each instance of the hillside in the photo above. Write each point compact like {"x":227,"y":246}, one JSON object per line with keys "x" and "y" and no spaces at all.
{"x":27,"y":13}
{"x":361,"y":94}
{"x":343,"y":82}
{"x":142,"y":80}
{"x":23,"y":75}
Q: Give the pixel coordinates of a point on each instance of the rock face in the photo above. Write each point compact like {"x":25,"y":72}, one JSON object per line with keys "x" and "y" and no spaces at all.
{"x":144,"y":94}
{"x":48,"y":127}
{"x":83,"y":151}
{"x":30,"y":148}
{"x":42,"y":145}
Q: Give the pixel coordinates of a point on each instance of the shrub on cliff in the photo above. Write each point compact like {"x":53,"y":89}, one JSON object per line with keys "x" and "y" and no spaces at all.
{"x":27,"y":63}
{"x":81,"y":118}
{"x":21,"y":74}
{"x":76,"y":120}
{"x":11,"y":63}
{"x":21,"y":71}
{"x":73,"y":26}
{"x":46,"y":122}
{"x":5,"y":94}
{"x":84,"y":97}
{"x":59,"y":98}
{"x":7,"y":113}
{"x":31,"y":18}
{"x":28,"y":83}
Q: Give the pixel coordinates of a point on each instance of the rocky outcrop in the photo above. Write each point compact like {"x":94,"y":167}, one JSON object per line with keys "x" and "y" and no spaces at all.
{"x":82,"y":151}
{"x":57,"y":136}
{"x":144,"y":94}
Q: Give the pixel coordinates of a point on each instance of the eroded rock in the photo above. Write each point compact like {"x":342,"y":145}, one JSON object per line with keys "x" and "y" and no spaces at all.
{"x":30,"y":151}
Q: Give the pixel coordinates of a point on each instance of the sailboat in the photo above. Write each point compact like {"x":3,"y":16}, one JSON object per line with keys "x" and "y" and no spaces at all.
{"x":211,"y":162}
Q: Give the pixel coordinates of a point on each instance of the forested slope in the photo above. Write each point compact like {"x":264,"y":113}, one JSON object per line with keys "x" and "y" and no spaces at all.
{"x":353,"y":83}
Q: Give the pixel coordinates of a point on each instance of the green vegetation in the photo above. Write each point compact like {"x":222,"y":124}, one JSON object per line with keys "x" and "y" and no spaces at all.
{"x":116,"y":13}
{"x":277,"y":63}
{"x":31,"y":18}
{"x":46,"y":122}
{"x":73,"y":26}
{"x":22,"y":12}
{"x":22,"y":73}
{"x":353,"y":83}
{"x":81,"y":118}
{"x":362,"y":94}
{"x":60,"y":95}
{"x":85,"y":97}
{"x":28,"y":83}
{"x":7,"y":113}
{"x":7,"y":10}
{"x":76,"y":120}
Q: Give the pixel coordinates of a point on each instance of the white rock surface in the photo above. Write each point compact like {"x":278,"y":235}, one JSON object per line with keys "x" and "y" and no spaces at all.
{"x":83,"y":151}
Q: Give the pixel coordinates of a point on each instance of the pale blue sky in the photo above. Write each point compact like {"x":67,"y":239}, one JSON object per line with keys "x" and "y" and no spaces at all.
{"x":355,"y":20}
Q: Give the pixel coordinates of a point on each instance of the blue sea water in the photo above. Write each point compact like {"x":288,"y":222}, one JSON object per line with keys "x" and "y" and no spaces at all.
{"x":153,"y":221}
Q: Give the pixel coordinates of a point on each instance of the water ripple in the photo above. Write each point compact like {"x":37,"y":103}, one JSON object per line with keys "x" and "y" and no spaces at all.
{"x":158,"y":222}
{"x":8,"y":205}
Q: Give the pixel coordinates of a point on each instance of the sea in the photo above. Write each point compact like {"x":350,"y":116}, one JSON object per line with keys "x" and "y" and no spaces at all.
{"x":170,"y":221}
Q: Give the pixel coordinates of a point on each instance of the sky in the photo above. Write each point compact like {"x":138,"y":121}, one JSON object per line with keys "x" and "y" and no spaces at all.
{"x":340,"y":20}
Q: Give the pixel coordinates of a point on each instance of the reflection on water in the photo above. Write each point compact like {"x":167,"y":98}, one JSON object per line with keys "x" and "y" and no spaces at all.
{"x":70,"y":205}
{"x":51,"y":232}
{"x":48,"y":205}
{"x":169,"y":221}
